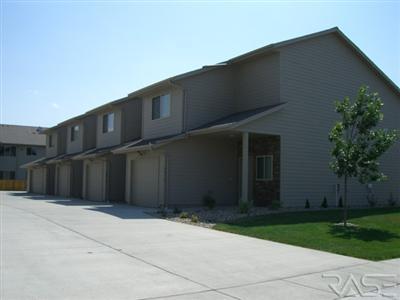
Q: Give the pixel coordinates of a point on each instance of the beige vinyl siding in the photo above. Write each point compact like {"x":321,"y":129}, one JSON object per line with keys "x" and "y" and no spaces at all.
{"x":131,"y":120}
{"x":51,"y":151}
{"x":112,"y":138}
{"x":208,"y":96}
{"x":62,"y":140}
{"x":89,"y":132}
{"x":163,"y":126}
{"x":76,"y":145}
{"x":314,"y":73}
{"x":198,"y":165}
{"x":257,"y":82}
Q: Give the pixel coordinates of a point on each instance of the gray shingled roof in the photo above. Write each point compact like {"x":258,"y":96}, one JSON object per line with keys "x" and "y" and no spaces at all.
{"x":237,"y":117}
{"x":22,"y":135}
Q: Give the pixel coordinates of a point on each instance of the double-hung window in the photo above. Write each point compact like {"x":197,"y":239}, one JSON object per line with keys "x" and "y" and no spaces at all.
{"x":8,"y":150}
{"x":108,"y":122}
{"x":264,"y":167}
{"x":74,"y":132}
{"x":30,"y":151}
{"x":161,"y":107}
{"x":7,"y":175}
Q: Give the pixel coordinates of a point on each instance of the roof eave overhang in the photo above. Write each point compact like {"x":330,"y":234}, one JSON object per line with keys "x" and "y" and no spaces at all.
{"x":151,"y":146}
{"x":232,"y":126}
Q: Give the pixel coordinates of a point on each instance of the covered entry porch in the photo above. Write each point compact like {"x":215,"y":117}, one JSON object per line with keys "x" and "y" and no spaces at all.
{"x":259,"y":168}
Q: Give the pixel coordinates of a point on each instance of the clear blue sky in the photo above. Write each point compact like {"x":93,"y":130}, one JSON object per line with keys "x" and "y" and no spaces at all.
{"x":60,"y":59}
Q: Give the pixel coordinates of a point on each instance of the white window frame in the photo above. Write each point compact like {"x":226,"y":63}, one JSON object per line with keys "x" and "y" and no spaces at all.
{"x":30,"y":151}
{"x":108,"y":128}
{"x":265,"y":173}
{"x":163,"y":104}
{"x":74,"y":132}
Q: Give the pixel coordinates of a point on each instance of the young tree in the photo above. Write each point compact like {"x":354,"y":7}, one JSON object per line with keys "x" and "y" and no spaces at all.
{"x":357,"y":143}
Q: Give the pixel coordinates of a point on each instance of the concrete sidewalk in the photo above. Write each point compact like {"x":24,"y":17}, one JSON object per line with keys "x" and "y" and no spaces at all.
{"x":57,"y":248}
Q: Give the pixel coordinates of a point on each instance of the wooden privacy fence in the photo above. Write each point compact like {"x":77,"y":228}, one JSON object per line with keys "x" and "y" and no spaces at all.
{"x":12,"y":185}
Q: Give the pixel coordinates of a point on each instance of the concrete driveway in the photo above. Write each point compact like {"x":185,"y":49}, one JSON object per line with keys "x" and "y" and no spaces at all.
{"x":56,"y":248}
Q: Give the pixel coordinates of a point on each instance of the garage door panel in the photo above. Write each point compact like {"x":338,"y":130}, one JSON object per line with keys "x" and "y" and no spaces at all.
{"x":38,"y":180}
{"x":95,"y":181}
{"x":145,"y":183}
{"x":64,"y":180}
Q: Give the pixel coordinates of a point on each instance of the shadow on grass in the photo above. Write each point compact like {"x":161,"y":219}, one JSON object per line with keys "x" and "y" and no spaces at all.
{"x":327,"y":216}
{"x":363,"y":234}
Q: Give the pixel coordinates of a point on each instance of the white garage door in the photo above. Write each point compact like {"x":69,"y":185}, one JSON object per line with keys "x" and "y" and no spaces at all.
{"x":145,"y":181}
{"x":95,"y":179}
{"x":38,"y":180}
{"x":64,"y":180}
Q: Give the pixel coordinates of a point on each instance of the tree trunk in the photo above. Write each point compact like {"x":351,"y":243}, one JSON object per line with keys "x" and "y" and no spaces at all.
{"x":345,"y":203}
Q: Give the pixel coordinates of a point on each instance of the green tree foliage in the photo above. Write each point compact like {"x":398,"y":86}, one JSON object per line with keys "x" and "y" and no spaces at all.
{"x":357,"y":142}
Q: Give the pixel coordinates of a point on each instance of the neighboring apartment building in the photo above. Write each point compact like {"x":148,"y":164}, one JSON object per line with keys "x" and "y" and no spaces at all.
{"x":18,"y":146}
{"x":254,"y":127}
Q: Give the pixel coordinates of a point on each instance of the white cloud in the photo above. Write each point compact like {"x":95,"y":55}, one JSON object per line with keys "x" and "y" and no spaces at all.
{"x":55,"y":105}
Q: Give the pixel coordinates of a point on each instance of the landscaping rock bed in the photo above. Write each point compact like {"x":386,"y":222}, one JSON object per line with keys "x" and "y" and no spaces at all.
{"x":209,"y":217}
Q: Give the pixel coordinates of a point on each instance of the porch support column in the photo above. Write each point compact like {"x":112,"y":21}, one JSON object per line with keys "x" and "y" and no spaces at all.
{"x":245,"y":167}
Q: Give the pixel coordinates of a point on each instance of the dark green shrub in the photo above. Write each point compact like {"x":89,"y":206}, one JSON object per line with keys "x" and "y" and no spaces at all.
{"x":275,"y":204}
{"x":244,"y":207}
{"x":340,"y":204}
{"x":307,"y":205}
{"x":209,"y":201}
{"x":184,"y":215}
{"x":324,"y":203}
{"x":194,"y":218}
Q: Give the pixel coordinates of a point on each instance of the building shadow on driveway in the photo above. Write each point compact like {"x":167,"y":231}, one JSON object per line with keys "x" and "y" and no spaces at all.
{"x":119,"y":210}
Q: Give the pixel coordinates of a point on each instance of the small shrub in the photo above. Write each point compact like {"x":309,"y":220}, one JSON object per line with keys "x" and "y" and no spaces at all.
{"x":391,"y":201}
{"x":209,"y":201}
{"x":275,"y":204}
{"x":244,"y":207}
{"x":177,"y":210}
{"x":307,"y":205}
{"x":340,"y":204}
{"x":324,"y":203}
{"x":194,"y":218}
{"x":184,"y":215}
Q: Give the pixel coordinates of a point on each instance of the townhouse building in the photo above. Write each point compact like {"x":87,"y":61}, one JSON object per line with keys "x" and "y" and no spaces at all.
{"x":252,"y":128}
{"x":18,"y":146}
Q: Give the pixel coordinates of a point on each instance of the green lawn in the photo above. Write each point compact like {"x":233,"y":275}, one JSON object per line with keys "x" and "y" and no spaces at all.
{"x":377,"y":236}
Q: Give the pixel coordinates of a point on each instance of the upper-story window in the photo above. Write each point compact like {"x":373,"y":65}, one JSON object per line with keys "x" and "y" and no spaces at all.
{"x":30,"y":151}
{"x":51,"y":144}
{"x":74,"y":132}
{"x":108,"y":122}
{"x":7,"y":175}
{"x":7,"y":150}
{"x":161,"y":107}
